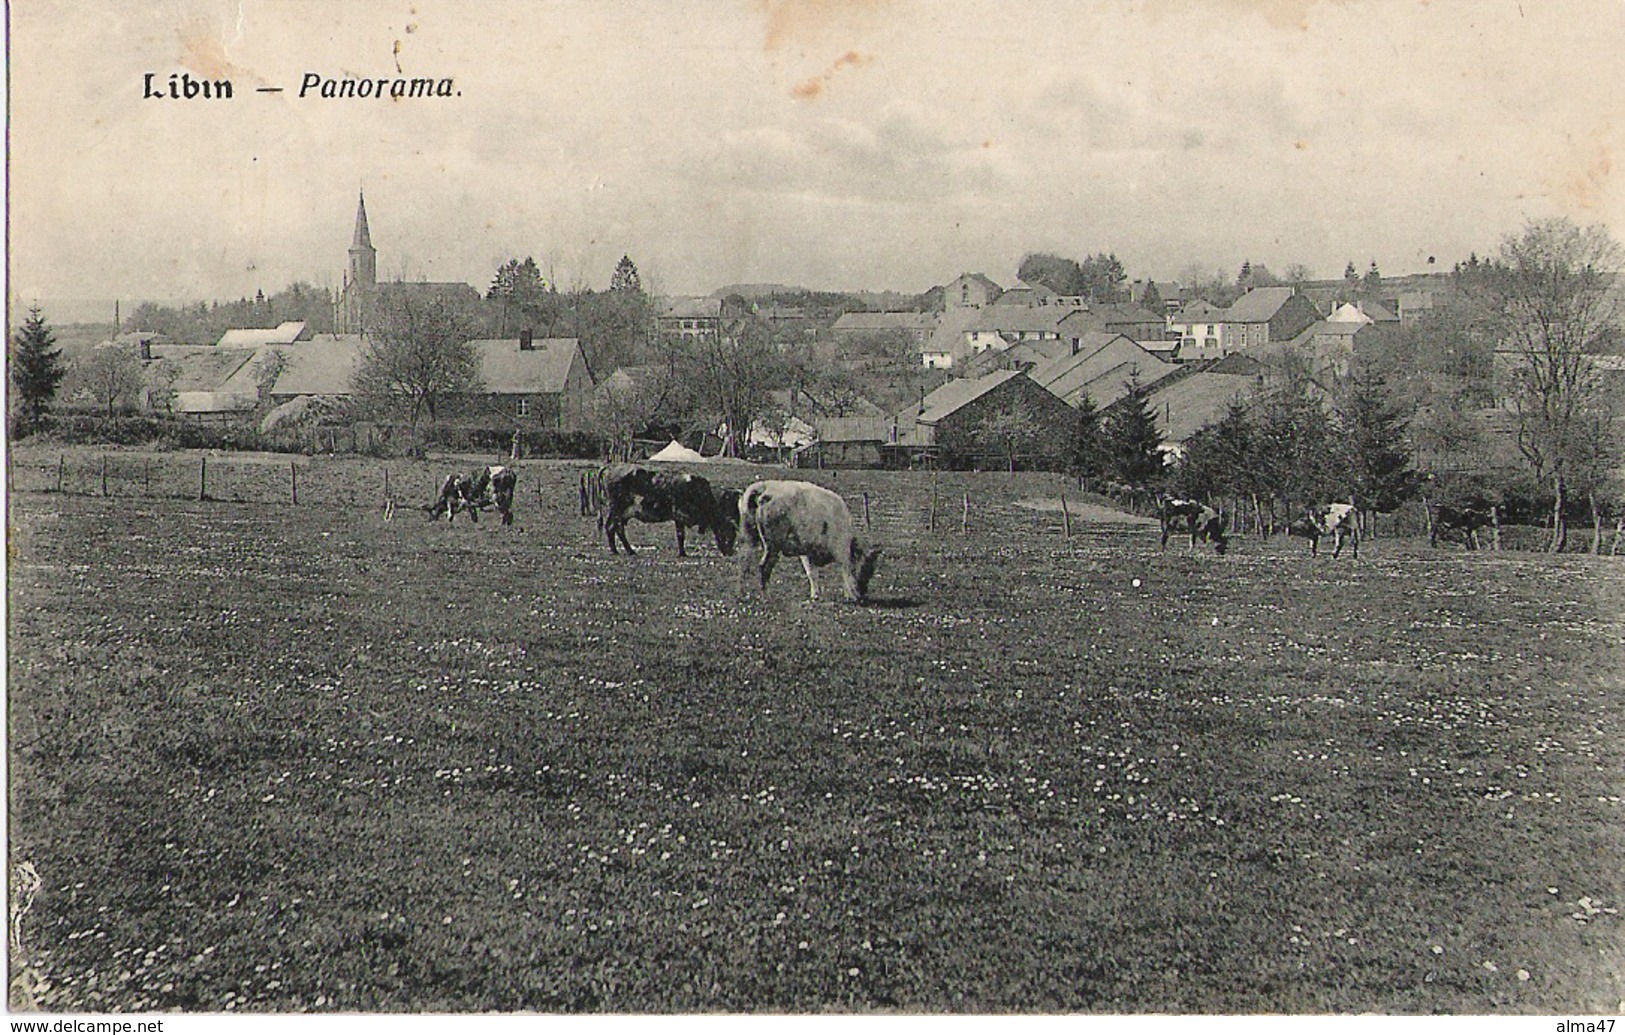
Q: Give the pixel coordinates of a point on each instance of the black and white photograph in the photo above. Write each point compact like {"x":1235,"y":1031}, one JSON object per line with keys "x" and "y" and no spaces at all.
{"x":861,"y":510}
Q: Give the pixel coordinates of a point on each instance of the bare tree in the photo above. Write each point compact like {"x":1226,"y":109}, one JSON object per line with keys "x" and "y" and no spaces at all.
{"x":417,"y":356}
{"x":1550,"y":293}
{"x":111,"y":374}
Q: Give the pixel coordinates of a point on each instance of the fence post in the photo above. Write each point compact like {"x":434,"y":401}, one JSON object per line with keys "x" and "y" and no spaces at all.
{"x":146,"y":477}
{"x":931,"y":520}
{"x":203,"y":478}
{"x":1495,"y":525}
{"x":104,"y":474}
{"x":61,"y":463}
{"x":293,"y":481}
{"x":964,"y":517}
{"x":866,"y":510}
{"x":1066,"y":517}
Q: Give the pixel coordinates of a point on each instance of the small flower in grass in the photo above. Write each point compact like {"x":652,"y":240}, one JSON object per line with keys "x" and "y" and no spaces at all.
{"x":1438,"y":950}
{"x":1490,"y":966}
{"x":1523,"y":975}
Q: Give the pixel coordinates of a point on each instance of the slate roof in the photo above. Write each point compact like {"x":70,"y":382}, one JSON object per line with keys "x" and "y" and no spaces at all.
{"x":1101,"y":369}
{"x":1018,"y":319}
{"x":1189,"y":404}
{"x":861,"y":322}
{"x":542,"y":369}
{"x":688,"y":308}
{"x":1258,"y":305}
{"x":1199,"y":311}
{"x":257,"y":337}
{"x":322,"y":366}
{"x":954,"y":395}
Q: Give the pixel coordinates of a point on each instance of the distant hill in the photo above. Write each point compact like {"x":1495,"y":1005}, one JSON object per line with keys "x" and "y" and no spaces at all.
{"x":62,"y":311}
{"x":751,"y":292}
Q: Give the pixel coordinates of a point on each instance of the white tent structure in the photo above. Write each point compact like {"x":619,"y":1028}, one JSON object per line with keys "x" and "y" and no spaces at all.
{"x":676,"y":452}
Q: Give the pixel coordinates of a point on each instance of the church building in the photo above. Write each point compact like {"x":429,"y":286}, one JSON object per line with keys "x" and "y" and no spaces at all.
{"x":362,"y":293}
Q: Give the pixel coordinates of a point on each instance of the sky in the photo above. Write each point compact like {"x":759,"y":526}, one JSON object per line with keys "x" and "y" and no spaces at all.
{"x":830,"y":144}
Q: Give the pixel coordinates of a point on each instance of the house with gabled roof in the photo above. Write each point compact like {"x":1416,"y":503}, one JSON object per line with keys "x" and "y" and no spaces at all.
{"x":1264,"y":315}
{"x":853,"y":326}
{"x":527,"y":382}
{"x":202,"y":381}
{"x":688,"y":317}
{"x":951,"y":422}
{"x":1198,"y":328}
{"x":970,"y":291}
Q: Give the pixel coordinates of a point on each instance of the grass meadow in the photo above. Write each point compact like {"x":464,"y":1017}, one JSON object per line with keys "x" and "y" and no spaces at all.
{"x":277,"y":757}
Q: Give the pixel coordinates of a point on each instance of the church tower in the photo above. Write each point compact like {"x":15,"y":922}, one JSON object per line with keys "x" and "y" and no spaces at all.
{"x":362,"y":278}
{"x":363,"y":256}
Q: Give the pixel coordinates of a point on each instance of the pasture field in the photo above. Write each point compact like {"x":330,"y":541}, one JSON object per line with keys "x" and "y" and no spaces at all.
{"x":267,"y":757}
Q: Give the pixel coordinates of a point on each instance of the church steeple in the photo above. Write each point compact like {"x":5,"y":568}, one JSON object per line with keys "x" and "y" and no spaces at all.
{"x":363,"y":256}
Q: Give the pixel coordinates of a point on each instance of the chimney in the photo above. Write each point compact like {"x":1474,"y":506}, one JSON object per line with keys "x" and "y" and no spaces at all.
{"x":527,"y":340}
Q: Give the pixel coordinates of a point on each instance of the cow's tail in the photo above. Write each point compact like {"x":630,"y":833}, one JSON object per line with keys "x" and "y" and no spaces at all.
{"x":750,"y":520}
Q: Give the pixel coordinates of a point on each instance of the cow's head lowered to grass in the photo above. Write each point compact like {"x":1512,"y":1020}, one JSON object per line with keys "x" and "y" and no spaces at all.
{"x":633,"y":491}
{"x":800,"y":519}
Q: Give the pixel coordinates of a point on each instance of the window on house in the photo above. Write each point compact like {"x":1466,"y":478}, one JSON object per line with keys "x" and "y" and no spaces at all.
{"x":522,"y":408}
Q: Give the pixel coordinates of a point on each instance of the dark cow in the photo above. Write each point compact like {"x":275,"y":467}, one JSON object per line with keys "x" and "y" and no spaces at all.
{"x":1188,"y":517}
{"x":651,"y":496}
{"x":1338,"y":520}
{"x":486,"y":487}
{"x":1467,"y":519}
{"x":800,"y":519}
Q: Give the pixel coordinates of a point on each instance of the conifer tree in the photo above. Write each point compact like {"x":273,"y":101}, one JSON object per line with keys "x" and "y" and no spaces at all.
{"x":36,"y":366}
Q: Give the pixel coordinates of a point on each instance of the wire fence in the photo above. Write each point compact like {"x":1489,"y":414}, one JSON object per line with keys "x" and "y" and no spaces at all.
{"x":891,"y":504}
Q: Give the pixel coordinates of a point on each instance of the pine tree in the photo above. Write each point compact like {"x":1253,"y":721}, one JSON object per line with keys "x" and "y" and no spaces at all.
{"x":1089,"y":455}
{"x":1373,"y":278}
{"x":1132,"y":439}
{"x":626,"y":276}
{"x":36,"y":366}
{"x":1379,"y":459}
{"x":1151,"y":300}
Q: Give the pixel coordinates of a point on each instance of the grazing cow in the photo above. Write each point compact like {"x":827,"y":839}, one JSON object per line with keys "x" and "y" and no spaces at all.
{"x":800,"y":519}
{"x":1188,"y":517}
{"x":1467,"y":520}
{"x":1338,"y":520}
{"x":654,"y":496}
{"x":486,"y":487}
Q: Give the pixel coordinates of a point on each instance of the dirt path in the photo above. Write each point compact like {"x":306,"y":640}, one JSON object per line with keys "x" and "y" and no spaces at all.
{"x":1093,"y":513}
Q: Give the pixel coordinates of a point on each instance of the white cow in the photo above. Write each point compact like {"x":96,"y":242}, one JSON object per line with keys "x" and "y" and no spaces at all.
{"x":800,"y":519}
{"x":1338,"y":520}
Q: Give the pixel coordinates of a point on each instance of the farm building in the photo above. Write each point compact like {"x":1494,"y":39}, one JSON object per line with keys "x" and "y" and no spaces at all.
{"x":860,"y":442}
{"x":960,"y":420}
{"x":203,"y":381}
{"x":1197,"y":396}
{"x":528,"y":382}
{"x":1101,"y":367}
